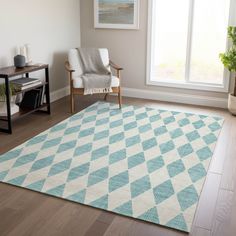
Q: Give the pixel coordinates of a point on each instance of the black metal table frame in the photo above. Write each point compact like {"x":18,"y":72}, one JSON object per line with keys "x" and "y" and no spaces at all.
{"x":8,"y":98}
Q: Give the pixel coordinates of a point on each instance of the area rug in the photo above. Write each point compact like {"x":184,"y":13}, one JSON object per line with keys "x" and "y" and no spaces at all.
{"x":139,"y":162}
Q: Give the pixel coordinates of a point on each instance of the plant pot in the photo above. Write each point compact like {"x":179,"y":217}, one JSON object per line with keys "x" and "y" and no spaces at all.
{"x":3,"y":109}
{"x":14,"y":107}
{"x":232,"y":104}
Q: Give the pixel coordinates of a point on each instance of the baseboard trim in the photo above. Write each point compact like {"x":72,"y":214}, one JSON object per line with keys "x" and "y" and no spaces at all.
{"x":158,"y":95}
{"x":175,"y":97}
{"x":58,"y":94}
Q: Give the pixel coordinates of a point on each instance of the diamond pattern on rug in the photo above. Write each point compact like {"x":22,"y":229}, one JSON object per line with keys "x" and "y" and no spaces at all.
{"x":139,"y":162}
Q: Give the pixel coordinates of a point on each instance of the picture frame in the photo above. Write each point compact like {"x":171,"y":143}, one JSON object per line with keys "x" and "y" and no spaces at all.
{"x":116,"y":14}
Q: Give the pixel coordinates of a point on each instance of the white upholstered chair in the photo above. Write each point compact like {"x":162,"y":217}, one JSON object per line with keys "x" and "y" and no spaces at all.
{"x":75,"y":70}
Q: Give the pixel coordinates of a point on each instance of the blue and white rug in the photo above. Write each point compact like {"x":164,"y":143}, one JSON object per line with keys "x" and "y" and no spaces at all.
{"x":140,"y":162}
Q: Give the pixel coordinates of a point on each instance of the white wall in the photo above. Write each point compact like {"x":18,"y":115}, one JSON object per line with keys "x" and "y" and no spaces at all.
{"x":129,"y":49}
{"x":51,"y":27}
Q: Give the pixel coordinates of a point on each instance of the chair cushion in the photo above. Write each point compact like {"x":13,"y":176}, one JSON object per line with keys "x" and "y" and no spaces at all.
{"x":76,"y":64}
{"x":78,"y":82}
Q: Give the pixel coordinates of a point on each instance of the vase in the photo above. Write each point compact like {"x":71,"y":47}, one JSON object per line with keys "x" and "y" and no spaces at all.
{"x":232,"y":104}
{"x":14,"y":107}
{"x":19,"y":61}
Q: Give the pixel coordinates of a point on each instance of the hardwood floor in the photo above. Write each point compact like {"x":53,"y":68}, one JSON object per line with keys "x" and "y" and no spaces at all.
{"x":26,"y":213}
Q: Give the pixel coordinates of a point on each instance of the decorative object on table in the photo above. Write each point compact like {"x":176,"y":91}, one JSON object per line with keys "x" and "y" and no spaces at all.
{"x":25,"y":51}
{"x":75,"y":71}
{"x":229,"y":61}
{"x":116,"y":14}
{"x":19,"y":61}
{"x":28,"y":55}
{"x":139,"y":162}
{"x":3,"y":105}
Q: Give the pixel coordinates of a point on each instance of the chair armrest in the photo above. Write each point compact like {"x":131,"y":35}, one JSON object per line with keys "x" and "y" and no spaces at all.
{"x":67,"y":66}
{"x":113,"y":65}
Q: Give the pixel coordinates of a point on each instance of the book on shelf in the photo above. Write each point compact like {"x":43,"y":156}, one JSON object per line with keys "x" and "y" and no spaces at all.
{"x":25,"y":83}
{"x":32,"y":99}
{"x":28,"y":86}
{"x":43,"y":93}
{"x":40,"y":94}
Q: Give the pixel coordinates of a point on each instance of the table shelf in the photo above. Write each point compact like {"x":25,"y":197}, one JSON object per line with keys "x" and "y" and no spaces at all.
{"x":9,"y":72}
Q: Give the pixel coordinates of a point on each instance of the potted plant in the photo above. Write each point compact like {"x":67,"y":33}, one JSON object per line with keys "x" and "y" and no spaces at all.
{"x":229,"y":60}
{"x":3,"y":105}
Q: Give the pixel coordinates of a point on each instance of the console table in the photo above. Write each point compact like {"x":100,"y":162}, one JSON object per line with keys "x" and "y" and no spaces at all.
{"x":8,"y":72}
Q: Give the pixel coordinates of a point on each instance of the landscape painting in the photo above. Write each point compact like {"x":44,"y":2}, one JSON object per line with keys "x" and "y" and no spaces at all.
{"x":122,"y":14}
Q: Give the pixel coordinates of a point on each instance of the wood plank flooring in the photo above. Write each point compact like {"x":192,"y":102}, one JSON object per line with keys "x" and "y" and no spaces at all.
{"x":26,"y":213}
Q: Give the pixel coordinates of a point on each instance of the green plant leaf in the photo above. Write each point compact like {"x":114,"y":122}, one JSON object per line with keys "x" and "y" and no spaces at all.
{"x":12,"y":89}
{"x":229,"y":57}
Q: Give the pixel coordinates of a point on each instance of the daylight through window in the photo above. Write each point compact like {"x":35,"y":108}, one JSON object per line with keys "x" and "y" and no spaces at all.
{"x":186,"y":39}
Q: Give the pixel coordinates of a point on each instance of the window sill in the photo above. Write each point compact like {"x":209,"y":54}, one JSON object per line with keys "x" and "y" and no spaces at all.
{"x":192,"y":86}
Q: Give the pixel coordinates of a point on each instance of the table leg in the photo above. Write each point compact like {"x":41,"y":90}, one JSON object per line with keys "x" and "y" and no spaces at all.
{"x":47,"y":90}
{"x":8,"y":102}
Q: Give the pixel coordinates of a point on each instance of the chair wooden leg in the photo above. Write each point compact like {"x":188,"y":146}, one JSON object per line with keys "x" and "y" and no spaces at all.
{"x":120,"y":99}
{"x":72,"y":103}
{"x":105,"y":98}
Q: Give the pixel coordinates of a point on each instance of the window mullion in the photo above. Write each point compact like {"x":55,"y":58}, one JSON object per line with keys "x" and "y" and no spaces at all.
{"x":189,"y":40}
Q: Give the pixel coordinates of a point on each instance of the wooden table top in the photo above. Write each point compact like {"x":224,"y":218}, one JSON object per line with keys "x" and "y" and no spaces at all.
{"x":12,"y":71}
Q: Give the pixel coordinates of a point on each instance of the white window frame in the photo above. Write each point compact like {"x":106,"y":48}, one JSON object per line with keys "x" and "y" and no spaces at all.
{"x":185,"y":84}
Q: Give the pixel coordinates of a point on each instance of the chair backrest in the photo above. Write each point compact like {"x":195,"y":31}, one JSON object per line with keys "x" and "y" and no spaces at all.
{"x":75,"y":61}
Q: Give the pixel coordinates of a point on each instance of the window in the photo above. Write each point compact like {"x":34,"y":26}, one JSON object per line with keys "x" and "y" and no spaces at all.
{"x":185,"y":39}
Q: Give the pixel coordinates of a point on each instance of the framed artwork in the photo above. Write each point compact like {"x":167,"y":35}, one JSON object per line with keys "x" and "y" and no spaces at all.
{"x":116,"y":14}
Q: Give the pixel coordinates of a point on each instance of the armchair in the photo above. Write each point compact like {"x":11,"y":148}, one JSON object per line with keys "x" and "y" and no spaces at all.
{"x":74,"y":70}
